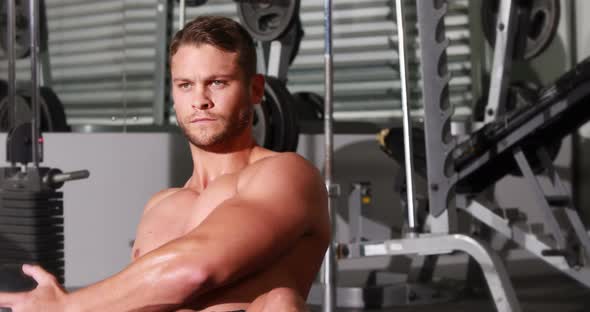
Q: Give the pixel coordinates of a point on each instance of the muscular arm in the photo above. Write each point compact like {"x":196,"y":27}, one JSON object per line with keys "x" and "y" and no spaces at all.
{"x":273,"y":208}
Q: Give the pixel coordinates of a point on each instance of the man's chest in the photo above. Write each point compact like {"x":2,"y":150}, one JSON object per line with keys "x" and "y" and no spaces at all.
{"x":180,"y":213}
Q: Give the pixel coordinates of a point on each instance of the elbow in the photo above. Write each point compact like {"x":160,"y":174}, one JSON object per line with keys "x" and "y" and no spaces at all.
{"x":183,"y":279}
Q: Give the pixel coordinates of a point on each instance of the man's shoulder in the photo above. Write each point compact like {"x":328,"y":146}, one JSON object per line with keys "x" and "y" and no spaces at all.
{"x":286,"y":163}
{"x":160,"y":196}
{"x":279,"y":169}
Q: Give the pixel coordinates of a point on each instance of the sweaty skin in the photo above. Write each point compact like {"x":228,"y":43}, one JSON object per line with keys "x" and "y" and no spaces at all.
{"x":234,"y":177}
{"x":248,"y":222}
{"x":176,"y":212}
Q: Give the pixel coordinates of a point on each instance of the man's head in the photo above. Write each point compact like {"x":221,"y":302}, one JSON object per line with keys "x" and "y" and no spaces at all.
{"x":214,"y":80}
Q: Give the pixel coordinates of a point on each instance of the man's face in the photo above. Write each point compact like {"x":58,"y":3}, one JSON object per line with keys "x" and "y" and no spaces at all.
{"x":212,"y":97}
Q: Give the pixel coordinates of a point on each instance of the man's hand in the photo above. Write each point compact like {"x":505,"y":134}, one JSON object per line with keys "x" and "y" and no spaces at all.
{"x":47,"y":296}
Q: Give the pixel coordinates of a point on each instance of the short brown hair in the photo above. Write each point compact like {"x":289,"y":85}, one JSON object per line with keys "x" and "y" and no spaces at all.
{"x":222,"y":33}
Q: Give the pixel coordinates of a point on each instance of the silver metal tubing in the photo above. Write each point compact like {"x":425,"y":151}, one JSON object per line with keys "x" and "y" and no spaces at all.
{"x":181,"y":13}
{"x":407,"y":123}
{"x":329,"y":268}
{"x":11,"y":30}
{"x":502,"y":61}
{"x":35,"y":120}
{"x":495,"y":273}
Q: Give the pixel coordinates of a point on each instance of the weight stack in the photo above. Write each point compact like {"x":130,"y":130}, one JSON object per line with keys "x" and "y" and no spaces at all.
{"x":32,"y":232}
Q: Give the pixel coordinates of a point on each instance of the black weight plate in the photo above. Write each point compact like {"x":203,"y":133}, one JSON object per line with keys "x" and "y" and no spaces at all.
{"x":31,"y":230}
{"x":32,"y":247}
{"x":543,"y":23}
{"x":9,"y":255}
{"x":30,"y":221}
{"x":309,"y":106}
{"x":29,"y":196}
{"x":30,"y":250}
{"x":266,"y":20}
{"x":299,"y":33}
{"x":283,"y":117}
{"x":30,"y":240}
{"x":22,"y":114}
{"x":3,"y":89}
{"x":261,"y":125}
{"x":30,"y":213}
{"x":55,"y":116}
{"x":22,"y":35}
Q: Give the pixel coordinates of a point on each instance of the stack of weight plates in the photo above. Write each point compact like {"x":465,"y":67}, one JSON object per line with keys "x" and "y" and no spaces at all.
{"x":31,"y":230}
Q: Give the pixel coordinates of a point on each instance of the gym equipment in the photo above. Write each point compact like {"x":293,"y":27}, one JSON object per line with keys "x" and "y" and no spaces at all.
{"x":3,"y":89}
{"x":193,"y":3}
{"x":438,"y":145}
{"x":22,"y":38}
{"x":53,"y":118}
{"x":329,"y":269}
{"x":31,"y":209}
{"x":535,"y":33}
{"x":267,"y":20}
{"x":309,"y":106}
{"x":275,"y":122}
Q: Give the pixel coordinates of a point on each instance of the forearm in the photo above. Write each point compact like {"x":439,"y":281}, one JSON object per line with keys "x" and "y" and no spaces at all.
{"x":160,"y":280}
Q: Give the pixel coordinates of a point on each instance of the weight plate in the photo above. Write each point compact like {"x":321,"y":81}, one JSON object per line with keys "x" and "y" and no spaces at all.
{"x":31,"y":230}
{"x":309,"y":106}
{"x":284,"y":129}
{"x":22,"y":35}
{"x":261,"y":125}
{"x":22,"y":113}
{"x":267,"y":20}
{"x":542,"y":24}
{"x":30,"y":221}
{"x":3,"y":88}
{"x":53,"y":117}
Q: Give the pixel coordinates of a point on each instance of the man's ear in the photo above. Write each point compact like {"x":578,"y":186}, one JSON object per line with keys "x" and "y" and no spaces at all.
{"x":256,"y":88}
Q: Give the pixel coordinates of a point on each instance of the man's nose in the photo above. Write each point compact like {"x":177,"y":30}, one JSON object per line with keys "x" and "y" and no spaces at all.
{"x":203,"y":104}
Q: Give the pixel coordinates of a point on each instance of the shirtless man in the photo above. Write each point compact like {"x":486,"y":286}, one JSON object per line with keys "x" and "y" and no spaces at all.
{"x":249,"y":229}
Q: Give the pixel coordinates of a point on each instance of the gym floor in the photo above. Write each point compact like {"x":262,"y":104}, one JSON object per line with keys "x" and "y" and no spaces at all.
{"x":543,"y":293}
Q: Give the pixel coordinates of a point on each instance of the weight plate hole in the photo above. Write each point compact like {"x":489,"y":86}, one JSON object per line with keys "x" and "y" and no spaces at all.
{"x":269,"y":22}
{"x":537,"y":24}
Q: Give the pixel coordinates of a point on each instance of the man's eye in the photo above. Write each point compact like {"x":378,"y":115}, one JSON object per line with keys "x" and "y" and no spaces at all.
{"x":184,"y":85}
{"x":218,"y":82}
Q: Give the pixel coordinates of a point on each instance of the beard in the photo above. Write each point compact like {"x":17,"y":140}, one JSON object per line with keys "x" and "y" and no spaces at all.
{"x":231,"y":127}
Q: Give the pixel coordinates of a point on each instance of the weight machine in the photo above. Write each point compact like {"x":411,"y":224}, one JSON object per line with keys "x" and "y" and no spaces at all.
{"x":512,"y":139}
{"x":31,"y":208}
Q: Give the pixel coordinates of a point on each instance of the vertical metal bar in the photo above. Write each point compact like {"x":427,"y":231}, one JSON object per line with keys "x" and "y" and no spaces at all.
{"x":11,"y":30}
{"x":329,"y":269}
{"x":407,"y":122}
{"x":503,"y":52}
{"x":181,"y":13}
{"x":35,"y":120}
{"x":163,"y":31}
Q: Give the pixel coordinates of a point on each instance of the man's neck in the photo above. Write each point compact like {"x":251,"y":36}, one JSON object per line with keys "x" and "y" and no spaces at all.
{"x":208,"y":165}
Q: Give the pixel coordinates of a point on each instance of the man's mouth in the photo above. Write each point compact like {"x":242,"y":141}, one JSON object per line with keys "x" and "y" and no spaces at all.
{"x":202,"y":119}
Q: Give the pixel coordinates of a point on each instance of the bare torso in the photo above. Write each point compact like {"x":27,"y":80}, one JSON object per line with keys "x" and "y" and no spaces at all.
{"x":176,"y":212}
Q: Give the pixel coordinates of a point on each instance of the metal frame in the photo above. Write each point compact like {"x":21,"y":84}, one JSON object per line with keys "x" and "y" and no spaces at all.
{"x":440,"y":173}
{"x":164,"y":25}
{"x":329,"y":266}
{"x":503,"y":51}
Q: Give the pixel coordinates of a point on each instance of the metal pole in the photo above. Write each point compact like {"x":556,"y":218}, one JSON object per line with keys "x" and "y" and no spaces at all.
{"x":407,"y":122}
{"x":181,"y":13}
{"x":329,"y":269}
{"x":11,"y":30}
{"x":35,"y":120}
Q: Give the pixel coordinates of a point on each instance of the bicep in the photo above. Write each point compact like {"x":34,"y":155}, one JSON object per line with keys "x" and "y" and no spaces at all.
{"x":265,"y":219}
